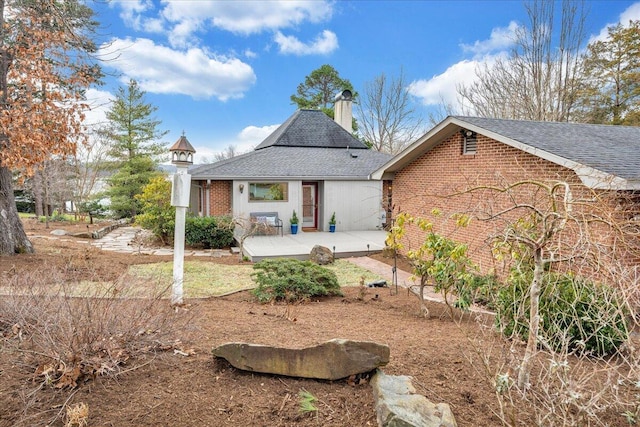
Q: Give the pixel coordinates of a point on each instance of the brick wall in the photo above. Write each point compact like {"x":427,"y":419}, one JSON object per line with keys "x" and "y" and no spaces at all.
{"x":441,"y":178}
{"x":219,"y":197}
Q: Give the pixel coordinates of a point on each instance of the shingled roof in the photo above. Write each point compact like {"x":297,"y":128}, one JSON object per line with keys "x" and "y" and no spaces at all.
{"x":308,"y":145}
{"x":311,"y":128}
{"x":603,"y":156}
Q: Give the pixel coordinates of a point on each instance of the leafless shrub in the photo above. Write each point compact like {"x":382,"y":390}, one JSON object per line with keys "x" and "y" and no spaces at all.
{"x":70,"y":333}
{"x":566,"y":386}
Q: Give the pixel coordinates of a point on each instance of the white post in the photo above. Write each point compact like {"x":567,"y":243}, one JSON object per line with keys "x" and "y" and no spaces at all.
{"x":180,"y":192}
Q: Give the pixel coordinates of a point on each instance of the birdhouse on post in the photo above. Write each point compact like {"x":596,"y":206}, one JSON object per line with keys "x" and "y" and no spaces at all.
{"x":181,"y":156}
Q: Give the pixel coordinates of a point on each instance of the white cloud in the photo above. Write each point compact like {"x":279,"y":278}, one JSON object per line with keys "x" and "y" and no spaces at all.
{"x":632,"y":13}
{"x":182,"y":19}
{"x":99,"y":102}
{"x":131,"y":12}
{"x":249,"y":17}
{"x":194,"y":72}
{"x":324,"y":44}
{"x":253,"y":135}
{"x":501,"y":38}
{"x":245,"y":141}
{"x":442,"y":87}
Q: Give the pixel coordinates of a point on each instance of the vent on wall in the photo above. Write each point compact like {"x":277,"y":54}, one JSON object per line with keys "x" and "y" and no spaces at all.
{"x":470,"y":142}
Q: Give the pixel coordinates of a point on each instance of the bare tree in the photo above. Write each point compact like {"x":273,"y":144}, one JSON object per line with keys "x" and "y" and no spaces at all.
{"x":541,"y":77}
{"x":387,"y":119}
{"x":88,"y":163}
{"x":229,"y":152}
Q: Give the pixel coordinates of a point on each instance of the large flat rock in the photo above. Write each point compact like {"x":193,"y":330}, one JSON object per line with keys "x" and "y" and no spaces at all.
{"x":332,"y":360}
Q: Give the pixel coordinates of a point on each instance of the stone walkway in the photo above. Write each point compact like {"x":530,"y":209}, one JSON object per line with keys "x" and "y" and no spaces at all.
{"x":123,"y":240}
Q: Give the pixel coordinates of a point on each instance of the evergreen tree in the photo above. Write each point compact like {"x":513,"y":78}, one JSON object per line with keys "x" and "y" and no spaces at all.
{"x":135,"y":150}
{"x":612,"y":69}
{"x":320,"y":89}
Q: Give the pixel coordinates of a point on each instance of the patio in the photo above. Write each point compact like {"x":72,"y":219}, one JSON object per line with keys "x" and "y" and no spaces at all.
{"x":343,"y":244}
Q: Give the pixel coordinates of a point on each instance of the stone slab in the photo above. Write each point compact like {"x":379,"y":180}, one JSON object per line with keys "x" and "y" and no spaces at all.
{"x":331,"y":360}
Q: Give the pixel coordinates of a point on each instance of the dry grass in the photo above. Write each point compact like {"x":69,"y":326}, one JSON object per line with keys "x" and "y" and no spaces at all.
{"x":204,"y":279}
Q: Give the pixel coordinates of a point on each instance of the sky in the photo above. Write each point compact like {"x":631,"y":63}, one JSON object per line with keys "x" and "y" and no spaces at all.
{"x":223,"y":72}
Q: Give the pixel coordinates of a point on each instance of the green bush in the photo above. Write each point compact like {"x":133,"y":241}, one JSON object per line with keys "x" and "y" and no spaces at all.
{"x":576,"y":315}
{"x":157,"y":213}
{"x":209,"y":231}
{"x":485,"y":289}
{"x":293,"y":280}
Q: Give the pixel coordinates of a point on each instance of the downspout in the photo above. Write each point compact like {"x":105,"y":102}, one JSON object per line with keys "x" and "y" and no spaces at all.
{"x":207,"y":192}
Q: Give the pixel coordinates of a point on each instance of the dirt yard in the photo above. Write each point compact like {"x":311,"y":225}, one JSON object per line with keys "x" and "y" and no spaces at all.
{"x":190,"y":388}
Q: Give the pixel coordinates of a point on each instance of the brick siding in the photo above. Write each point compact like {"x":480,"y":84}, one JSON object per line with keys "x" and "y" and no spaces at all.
{"x":440,"y":179}
{"x":219,"y":197}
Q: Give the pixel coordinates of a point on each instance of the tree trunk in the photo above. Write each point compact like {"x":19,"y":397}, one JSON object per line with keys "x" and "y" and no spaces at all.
{"x":37,"y":193}
{"x":13,"y":239}
{"x":534,"y":320}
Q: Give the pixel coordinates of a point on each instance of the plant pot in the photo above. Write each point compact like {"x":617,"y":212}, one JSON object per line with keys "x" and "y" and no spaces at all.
{"x":332,"y":228}
{"x":294,"y":228}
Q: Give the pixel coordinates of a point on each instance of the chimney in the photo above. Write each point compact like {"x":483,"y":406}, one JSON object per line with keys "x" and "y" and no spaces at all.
{"x":342,"y":110}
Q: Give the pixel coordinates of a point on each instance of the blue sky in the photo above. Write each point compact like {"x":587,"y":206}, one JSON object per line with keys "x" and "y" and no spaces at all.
{"x":223,"y":71}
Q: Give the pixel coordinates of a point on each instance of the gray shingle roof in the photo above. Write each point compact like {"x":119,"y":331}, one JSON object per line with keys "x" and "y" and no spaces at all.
{"x":603,"y":156}
{"x":295,"y":163}
{"x":309,"y":145}
{"x":311,"y":128}
{"x":611,"y":149}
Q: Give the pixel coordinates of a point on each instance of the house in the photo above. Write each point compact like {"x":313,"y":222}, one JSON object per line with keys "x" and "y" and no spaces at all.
{"x":600,"y":163}
{"x":310,"y":164}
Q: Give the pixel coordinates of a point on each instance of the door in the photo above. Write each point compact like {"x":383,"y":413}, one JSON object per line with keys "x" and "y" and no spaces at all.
{"x":310,"y":205}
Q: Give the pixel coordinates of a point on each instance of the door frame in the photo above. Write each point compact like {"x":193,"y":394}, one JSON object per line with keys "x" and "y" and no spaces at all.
{"x":314,"y":186}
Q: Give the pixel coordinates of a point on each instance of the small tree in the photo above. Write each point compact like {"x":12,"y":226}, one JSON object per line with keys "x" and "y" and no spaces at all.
{"x":157,"y":213}
{"x":531,"y":237}
{"x":438,"y":259}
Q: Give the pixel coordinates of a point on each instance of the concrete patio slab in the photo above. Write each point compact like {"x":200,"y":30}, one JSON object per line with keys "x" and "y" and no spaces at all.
{"x":343,"y":244}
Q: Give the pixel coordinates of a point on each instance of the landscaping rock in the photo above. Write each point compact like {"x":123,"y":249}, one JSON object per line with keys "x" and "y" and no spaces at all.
{"x":398,"y":405}
{"x":58,"y":232}
{"x":332,"y":360}
{"x":83,"y":235}
{"x":321,"y":255}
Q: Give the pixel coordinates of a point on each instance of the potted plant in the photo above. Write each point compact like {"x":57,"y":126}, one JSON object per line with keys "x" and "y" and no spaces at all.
{"x":294,"y":223}
{"x":332,"y":223}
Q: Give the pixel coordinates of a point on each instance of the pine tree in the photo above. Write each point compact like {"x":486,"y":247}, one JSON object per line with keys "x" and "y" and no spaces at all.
{"x":612,"y":69}
{"x":135,"y":150}
{"x":320,"y":88}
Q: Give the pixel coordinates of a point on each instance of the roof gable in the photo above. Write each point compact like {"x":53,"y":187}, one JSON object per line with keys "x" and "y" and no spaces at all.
{"x":603,"y":156}
{"x":311,"y":128}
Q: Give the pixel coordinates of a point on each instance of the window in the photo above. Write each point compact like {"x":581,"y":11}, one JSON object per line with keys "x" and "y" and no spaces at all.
{"x":470,"y":143}
{"x":268,"y":191}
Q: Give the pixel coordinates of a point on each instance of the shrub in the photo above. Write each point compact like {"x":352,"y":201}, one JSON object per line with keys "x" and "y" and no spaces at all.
{"x":157,"y":213}
{"x":576,"y":315}
{"x":209,"y":231}
{"x":81,"y":332}
{"x":485,"y":289}
{"x":293,"y":280}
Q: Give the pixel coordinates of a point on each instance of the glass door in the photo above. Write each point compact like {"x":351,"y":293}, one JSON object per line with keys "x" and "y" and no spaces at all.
{"x":309,"y":205}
